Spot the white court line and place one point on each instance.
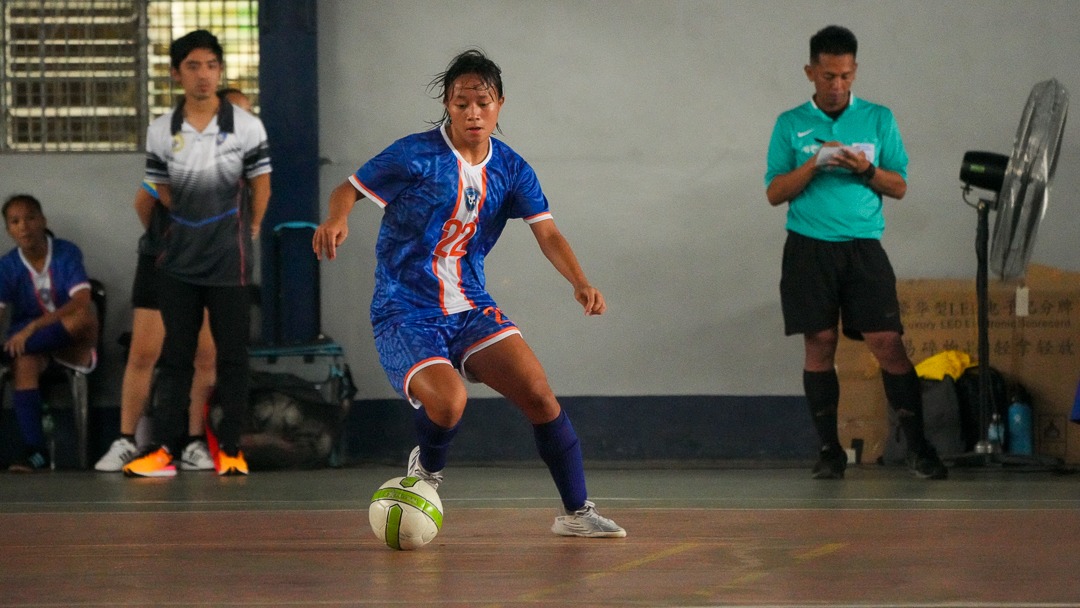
(384, 602)
(553, 497)
(872, 501)
(806, 500)
(903, 605)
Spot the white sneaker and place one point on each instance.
(586, 522)
(196, 457)
(121, 452)
(417, 470)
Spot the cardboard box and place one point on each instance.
(1039, 349)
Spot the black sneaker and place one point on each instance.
(832, 460)
(35, 460)
(925, 464)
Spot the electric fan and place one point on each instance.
(1021, 184)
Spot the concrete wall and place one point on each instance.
(647, 123)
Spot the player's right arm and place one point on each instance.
(333, 231)
(785, 179)
(786, 186)
(144, 206)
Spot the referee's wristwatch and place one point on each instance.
(868, 174)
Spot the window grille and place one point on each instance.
(89, 75)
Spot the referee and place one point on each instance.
(832, 160)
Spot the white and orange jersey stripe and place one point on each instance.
(457, 231)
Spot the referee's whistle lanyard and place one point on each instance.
(209, 220)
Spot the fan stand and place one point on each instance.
(989, 453)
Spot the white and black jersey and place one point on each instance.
(208, 241)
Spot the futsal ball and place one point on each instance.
(406, 513)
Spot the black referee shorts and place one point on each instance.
(823, 282)
(144, 291)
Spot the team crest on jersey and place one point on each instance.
(46, 298)
(472, 198)
(221, 138)
(177, 142)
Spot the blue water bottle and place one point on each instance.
(1020, 424)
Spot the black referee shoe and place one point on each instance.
(925, 464)
(832, 460)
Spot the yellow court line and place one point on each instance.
(820, 551)
(756, 573)
(746, 578)
(533, 595)
(644, 560)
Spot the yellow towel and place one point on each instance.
(946, 363)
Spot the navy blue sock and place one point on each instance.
(27, 406)
(560, 449)
(50, 338)
(434, 441)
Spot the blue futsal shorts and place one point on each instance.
(408, 347)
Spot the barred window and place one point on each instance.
(90, 75)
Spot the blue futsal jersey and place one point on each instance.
(442, 216)
(28, 294)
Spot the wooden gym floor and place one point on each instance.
(696, 537)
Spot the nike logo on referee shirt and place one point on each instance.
(805, 133)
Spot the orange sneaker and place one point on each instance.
(158, 463)
(231, 465)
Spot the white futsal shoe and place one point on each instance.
(417, 470)
(121, 452)
(586, 522)
(196, 457)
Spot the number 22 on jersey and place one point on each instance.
(455, 237)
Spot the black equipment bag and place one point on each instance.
(967, 394)
(293, 422)
(941, 422)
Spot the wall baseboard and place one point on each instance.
(612, 429)
(636, 431)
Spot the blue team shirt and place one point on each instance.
(441, 217)
(836, 205)
(27, 294)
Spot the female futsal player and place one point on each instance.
(447, 194)
(45, 291)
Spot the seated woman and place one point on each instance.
(46, 293)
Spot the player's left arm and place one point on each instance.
(883, 181)
(562, 257)
(260, 198)
(888, 183)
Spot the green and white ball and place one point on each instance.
(406, 513)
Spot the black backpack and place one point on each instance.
(942, 422)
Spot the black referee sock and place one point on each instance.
(904, 393)
(823, 394)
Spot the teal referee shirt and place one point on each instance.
(836, 205)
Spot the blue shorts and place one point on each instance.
(408, 347)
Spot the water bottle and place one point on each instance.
(1020, 426)
(996, 433)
